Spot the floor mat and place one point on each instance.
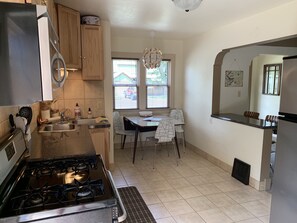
(137, 210)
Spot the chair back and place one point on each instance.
(117, 121)
(271, 118)
(165, 131)
(251, 114)
(177, 114)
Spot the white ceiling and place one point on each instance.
(139, 17)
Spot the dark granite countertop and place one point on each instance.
(258, 123)
(47, 146)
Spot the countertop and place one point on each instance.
(258, 123)
(46, 146)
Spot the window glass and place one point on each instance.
(125, 83)
(272, 76)
(157, 86)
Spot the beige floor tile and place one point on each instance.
(257, 208)
(135, 179)
(152, 176)
(237, 212)
(150, 198)
(166, 220)
(119, 181)
(221, 200)
(189, 218)
(178, 183)
(159, 211)
(196, 180)
(253, 220)
(178, 207)
(213, 178)
(186, 171)
(188, 192)
(143, 188)
(159, 185)
(200, 203)
(265, 219)
(203, 171)
(168, 195)
(227, 186)
(214, 216)
(207, 189)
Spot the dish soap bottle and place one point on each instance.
(77, 112)
(90, 113)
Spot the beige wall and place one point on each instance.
(221, 139)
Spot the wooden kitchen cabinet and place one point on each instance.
(15, 1)
(92, 52)
(100, 138)
(69, 34)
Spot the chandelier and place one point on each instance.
(152, 57)
(187, 5)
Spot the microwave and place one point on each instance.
(31, 66)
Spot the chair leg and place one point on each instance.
(123, 145)
(175, 151)
(154, 159)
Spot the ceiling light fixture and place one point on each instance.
(152, 57)
(187, 5)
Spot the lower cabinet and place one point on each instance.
(100, 138)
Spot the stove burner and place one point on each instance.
(84, 192)
(80, 167)
(35, 199)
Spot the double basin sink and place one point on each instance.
(67, 126)
(58, 127)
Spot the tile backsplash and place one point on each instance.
(88, 94)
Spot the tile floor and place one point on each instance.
(194, 191)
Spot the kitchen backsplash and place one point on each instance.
(6, 111)
(88, 94)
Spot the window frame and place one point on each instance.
(266, 84)
(141, 81)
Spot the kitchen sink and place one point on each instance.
(58, 127)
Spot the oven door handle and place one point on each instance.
(124, 215)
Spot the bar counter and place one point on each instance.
(258, 123)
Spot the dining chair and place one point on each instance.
(273, 119)
(165, 133)
(177, 114)
(118, 126)
(251, 114)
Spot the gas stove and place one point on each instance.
(55, 190)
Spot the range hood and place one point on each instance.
(25, 62)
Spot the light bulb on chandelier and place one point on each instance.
(152, 57)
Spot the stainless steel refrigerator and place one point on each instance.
(284, 187)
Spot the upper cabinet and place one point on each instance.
(16, 1)
(69, 34)
(92, 52)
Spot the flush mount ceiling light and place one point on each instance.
(187, 5)
(152, 57)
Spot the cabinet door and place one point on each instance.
(52, 11)
(100, 139)
(92, 52)
(16, 1)
(69, 34)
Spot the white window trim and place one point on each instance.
(141, 81)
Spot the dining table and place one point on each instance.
(146, 124)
